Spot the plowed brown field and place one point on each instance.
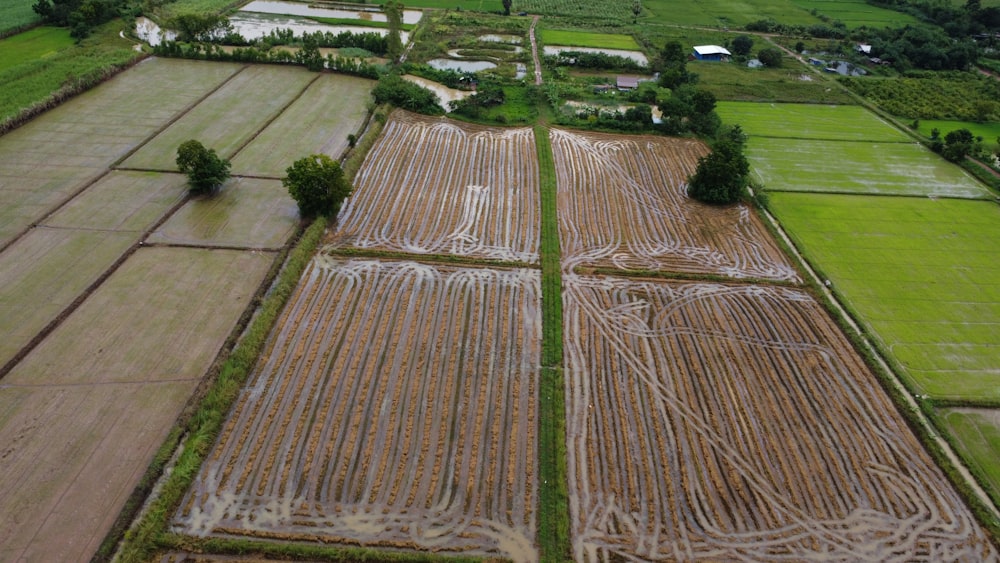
(433, 186)
(622, 204)
(396, 406)
(717, 422)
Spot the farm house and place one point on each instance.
(711, 53)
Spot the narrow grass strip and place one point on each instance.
(553, 509)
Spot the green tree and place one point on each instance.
(394, 16)
(721, 177)
(204, 169)
(770, 56)
(742, 45)
(317, 184)
(957, 144)
(506, 7)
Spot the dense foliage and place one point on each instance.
(923, 48)
(317, 184)
(770, 57)
(722, 175)
(205, 170)
(957, 20)
(689, 110)
(963, 96)
(393, 89)
(835, 30)
(596, 61)
(81, 16)
(309, 57)
(488, 94)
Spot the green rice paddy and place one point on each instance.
(977, 433)
(587, 39)
(858, 167)
(923, 274)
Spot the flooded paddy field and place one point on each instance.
(118, 289)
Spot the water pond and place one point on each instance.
(461, 66)
(636, 56)
(301, 9)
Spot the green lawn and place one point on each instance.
(810, 121)
(16, 13)
(600, 10)
(923, 274)
(586, 39)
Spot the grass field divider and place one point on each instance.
(426, 258)
(205, 414)
(553, 495)
(679, 276)
(171, 121)
(275, 116)
(917, 415)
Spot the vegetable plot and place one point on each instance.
(720, 422)
(395, 406)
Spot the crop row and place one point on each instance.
(396, 405)
(431, 186)
(622, 203)
(735, 423)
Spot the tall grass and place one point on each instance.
(553, 511)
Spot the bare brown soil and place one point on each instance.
(433, 186)
(622, 204)
(395, 406)
(736, 423)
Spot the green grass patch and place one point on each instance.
(71, 69)
(553, 510)
(857, 13)
(587, 39)
(922, 274)
(790, 83)
(171, 9)
(33, 45)
(805, 165)
(989, 131)
(809, 121)
(728, 13)
(975, 434)
(518, 108)
(15, 14)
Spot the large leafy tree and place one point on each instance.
(317, 184)
(205, 170)
(722, 175)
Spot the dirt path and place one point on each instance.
(534, 52)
